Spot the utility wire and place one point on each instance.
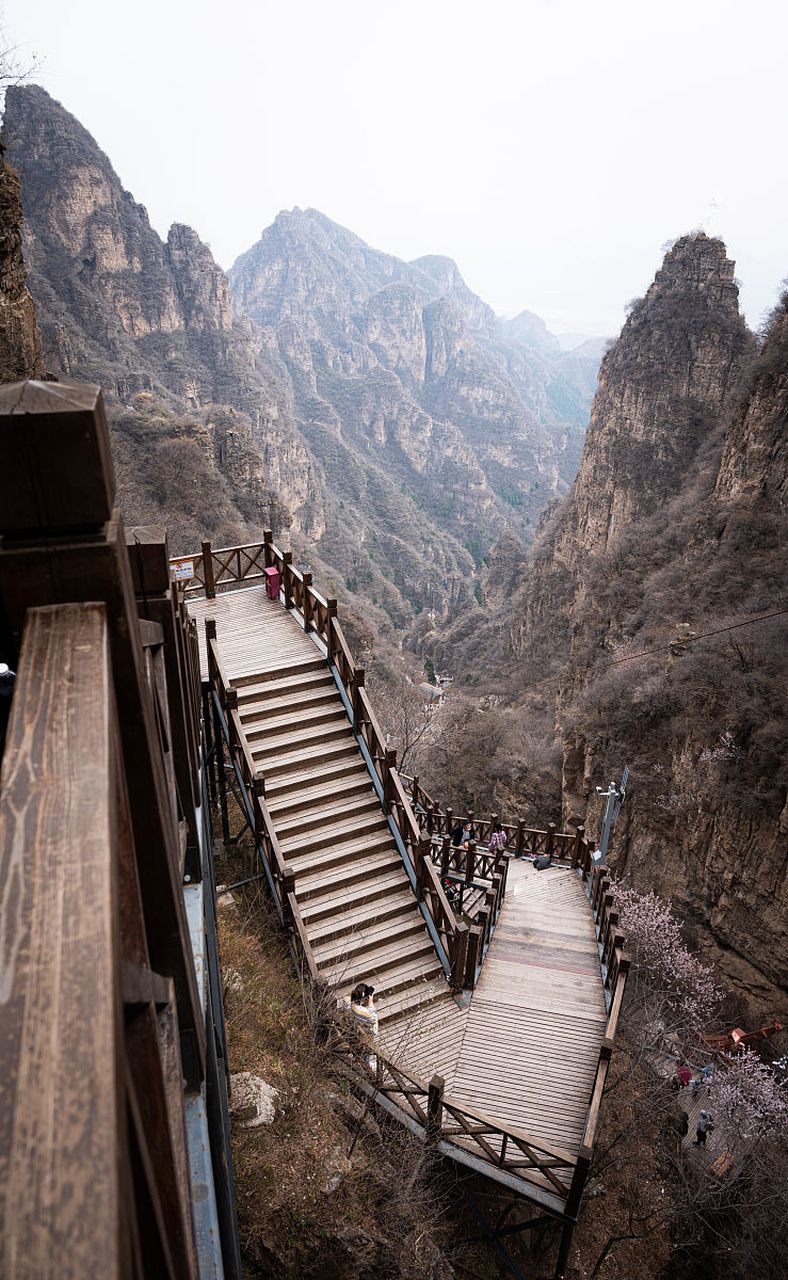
(680, 640)
(703, 635)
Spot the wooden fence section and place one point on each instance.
(565, 846)
(319, 617)
(538, 1170)
(104, 1035)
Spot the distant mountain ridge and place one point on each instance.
(367, 408)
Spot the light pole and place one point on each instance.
(615, 798)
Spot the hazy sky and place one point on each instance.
(550, 146)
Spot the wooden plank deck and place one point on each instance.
(525, 1051)
(255, 634)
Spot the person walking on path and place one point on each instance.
(703, 1129)
(362, 1006)
(498, 839)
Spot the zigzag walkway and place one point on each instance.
(525, 1051)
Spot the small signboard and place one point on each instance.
(183, 571)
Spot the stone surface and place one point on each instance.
(252, 1101)
(20, 341)
(677, 516)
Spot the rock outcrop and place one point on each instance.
(20, 341)
(642, 610)
(152, 321)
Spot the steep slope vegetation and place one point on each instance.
(676, 527)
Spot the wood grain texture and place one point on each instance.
(59, 1195)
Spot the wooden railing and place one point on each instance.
(523, 841)
(319, 618)
(556, 1175)
(537, 1168)
(108, 1029)
(478, 879)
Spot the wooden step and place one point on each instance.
(340, 853)
(367, 937)
(299, 719)
(296, 761)
(351, 833)
(281, 672)
(350, 917)
(329, 907)
(411, 1000)
(387, 969)
(327, 813)
(309, 885)
(304, 736)
(318, 697)
(314, 774)
(317, 680)
(309, 802)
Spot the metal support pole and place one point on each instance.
(219, 740)
(564, 1246)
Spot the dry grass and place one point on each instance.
(326, 1190)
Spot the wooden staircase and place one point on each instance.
(359, 909)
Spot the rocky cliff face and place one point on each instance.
(673, 536)
(20, 341)
(152, 322)
(402, 390)
(367, 408)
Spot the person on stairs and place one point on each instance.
(362, 1007)
(462, 834)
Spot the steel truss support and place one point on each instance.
(494, 1232)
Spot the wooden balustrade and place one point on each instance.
(523, 841)
(454, 1127)
(234, 565)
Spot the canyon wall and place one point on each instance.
(627, 615)
(20, 341)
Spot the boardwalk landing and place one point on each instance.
(526, 1050)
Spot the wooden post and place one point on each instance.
(207, 569)
(497, 892)
(548, 848)
(435, 1109)
(582, 1166)
(287, 577)
(519, 839)
(577, 847)
(331, 613)
(449, 820)
(307, 600)
(268, 551)
(358, 710)
(484, 924)
(423, 847)
(219, 740)
(470, 858)
(472, 961)
(287, 887)
(445, 856)
(564, 1245)
(459, 956)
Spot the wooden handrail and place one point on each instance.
(455, 1123)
